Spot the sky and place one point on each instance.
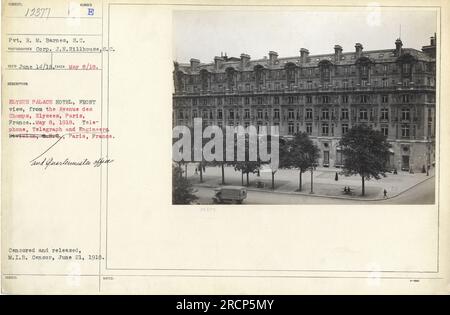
(203, 34)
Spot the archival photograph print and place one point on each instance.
(305, 106)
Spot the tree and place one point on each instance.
(300, 153)
(246, 166)
(222, 162)
(365, 152)
(182, 191)
(282, 147)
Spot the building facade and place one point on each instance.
(392, 90)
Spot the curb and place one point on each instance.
(323, 196)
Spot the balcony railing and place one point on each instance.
(303, 90)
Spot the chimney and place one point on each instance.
(358, 50)
(337, 52)
(272, 57)
(304, 53)
(194, 64)
(433, 40)
(398, 47)
(431, 49)
(244, 60)
(217, 62)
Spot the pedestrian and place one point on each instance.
(385, 193)
(204, 168)
(196, 172)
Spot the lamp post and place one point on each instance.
(428, 155)
(312, 169)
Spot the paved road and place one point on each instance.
(420, 194)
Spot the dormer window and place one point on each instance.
(230, 78)
(325, 71)
(259, 76)
(290, 73)
(364, 71)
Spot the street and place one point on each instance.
(423, 193)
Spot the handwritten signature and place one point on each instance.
(47, 162)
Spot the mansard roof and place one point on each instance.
(349, 58)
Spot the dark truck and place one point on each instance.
(230, 194)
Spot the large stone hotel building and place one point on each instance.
(392, 90)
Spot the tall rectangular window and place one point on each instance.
(325, 113)
(363, 114)
(384, 99)
(260, 114)
(406, 68)
(309, 128)
(344, 129)
(276, 113)
(325, 129)
(385, 130)
(405, 113)
(291, 128)
(308, 113)
(344, 113)
(291, 114)
(246, 113)
(405, 131)
(384, 114)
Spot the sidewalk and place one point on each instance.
(324, 184)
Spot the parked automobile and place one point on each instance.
(230, 194)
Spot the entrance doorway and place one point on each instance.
(405, 162)
(326, 158)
